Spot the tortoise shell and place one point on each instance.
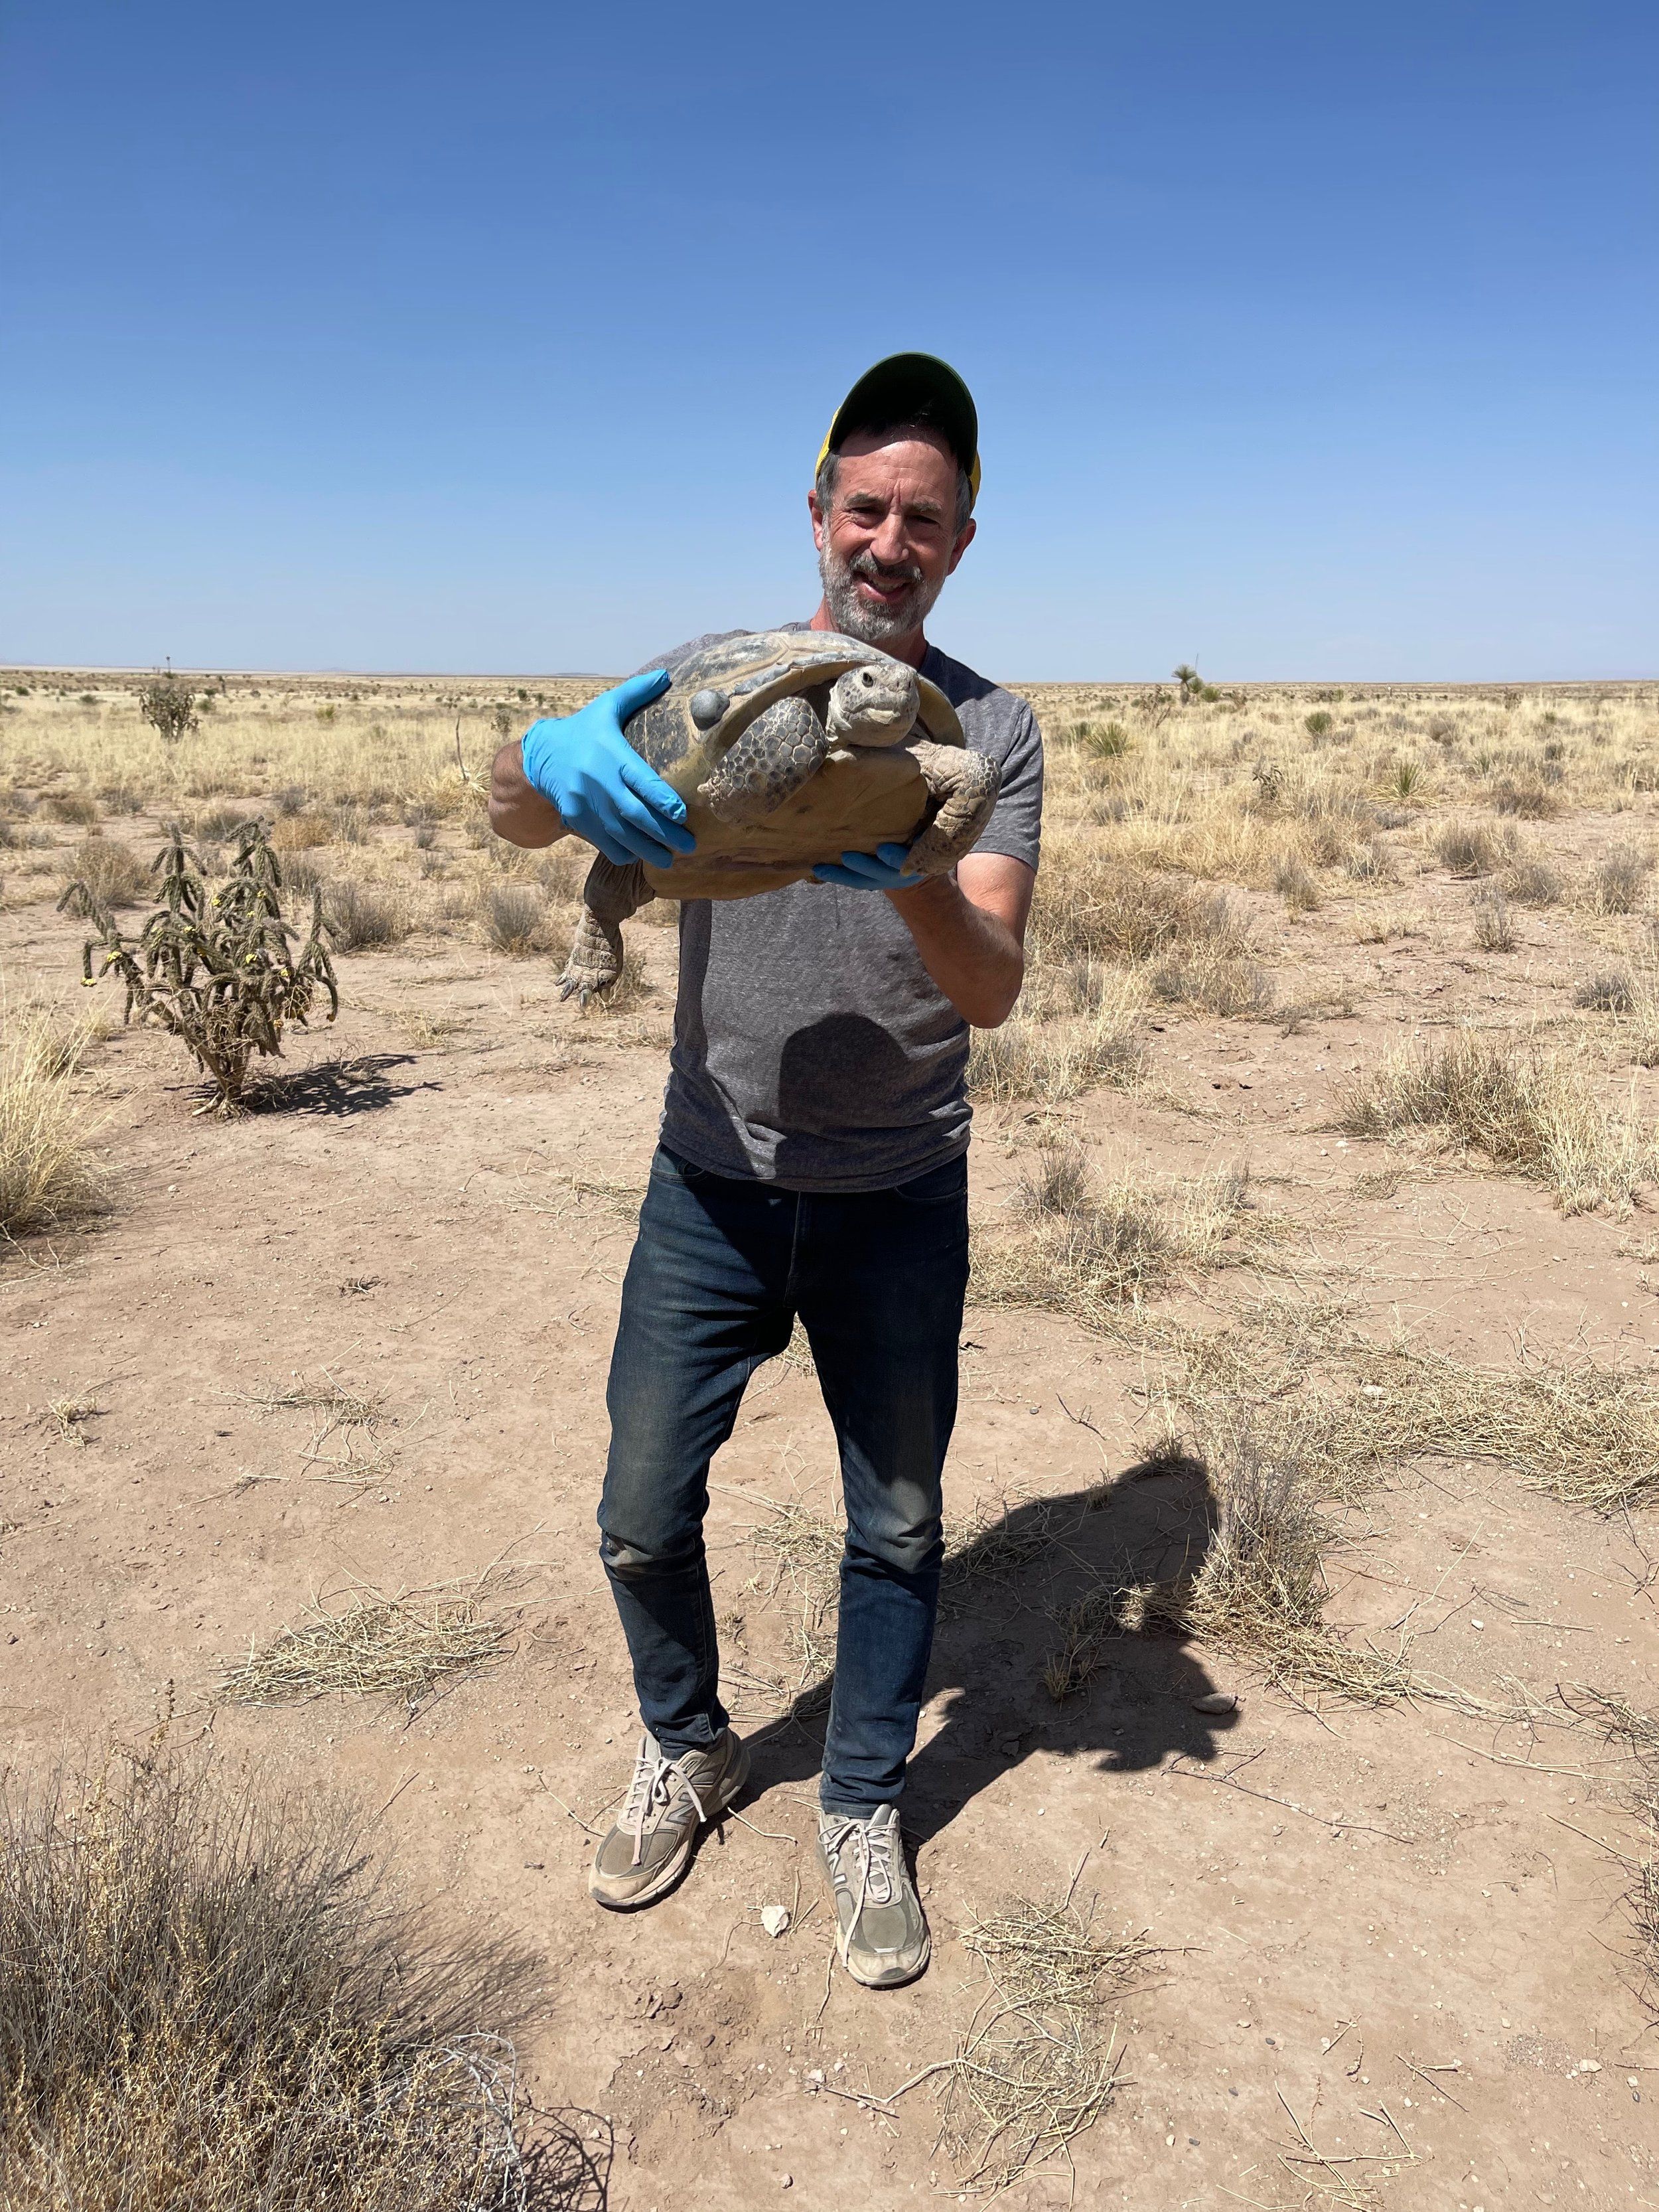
(861, 796)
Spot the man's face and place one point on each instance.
(889, 539)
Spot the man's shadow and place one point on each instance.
(1003, 1618)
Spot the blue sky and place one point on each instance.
(1308, 340)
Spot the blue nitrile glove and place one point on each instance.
(604, 791)
(883, 870)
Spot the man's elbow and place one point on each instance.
(992, 1006)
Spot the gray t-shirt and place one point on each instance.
(811, 1047)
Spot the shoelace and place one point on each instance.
(651, 1793)
(872, 1848)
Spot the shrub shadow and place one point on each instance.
(1151, 1523)
(337, 1087)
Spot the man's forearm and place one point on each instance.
(517, 810)
(976, 957)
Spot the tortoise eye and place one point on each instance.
(708, 707)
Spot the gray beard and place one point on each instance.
(857, 617)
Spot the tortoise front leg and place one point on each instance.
(965, 784)
(779, 751)
(610, 895)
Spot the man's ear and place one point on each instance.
(820, 519)
(961, 545)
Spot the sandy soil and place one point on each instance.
(1395, 1935)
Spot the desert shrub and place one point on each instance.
(1296, 886)
(111, 871)
(292, 799)
(1467, 848)
(351, 825)
(515, 918)
(299, 833)
(1319, 724)
(220, 824)
(1371, 863)
(168, 706)
(48, 1175)
(1215, 980)
(302, 873)
(1617, 880)
(1612, 993)
(1493, 930)
(1528, 796)
(362, 917)
(76, 806)
(1102, 740)
(1527, 1110)
(211, 1998)
(121, 799)
(219, 972)
(1258, 1589)
(1531, 881)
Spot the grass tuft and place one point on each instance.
(211, 1999)
(1527, 1110)
(48, 1177)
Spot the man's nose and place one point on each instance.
(890, 543)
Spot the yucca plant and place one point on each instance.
(216, 969)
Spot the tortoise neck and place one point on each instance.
(911, 649)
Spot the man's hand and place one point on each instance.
(883, 870)
(585, 769)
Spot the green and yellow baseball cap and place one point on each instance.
(911, 387)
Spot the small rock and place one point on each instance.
(1216, 1701)
(1589, 2066)
(786, 2181)
(774, 1918)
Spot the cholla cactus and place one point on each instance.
(216, 969)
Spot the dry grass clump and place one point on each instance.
(364, 917)
(1077, 1027)
(1618, 880)
(1258, 1590)
(211, 1999)
(1585, 1431)
(1613, 992)
(374, 1645)
(1494, 932)
(1092, 1246)
(48, 1175)
(1525, 1110)
(1531, 881)
(112, 871)
(1468, 849)
(1091, 905)
(79, 807)
(1215, 981)
(514, 919)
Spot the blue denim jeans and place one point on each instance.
(719, 1272)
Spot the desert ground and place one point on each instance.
(1286, 1808)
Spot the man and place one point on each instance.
(813, 1163)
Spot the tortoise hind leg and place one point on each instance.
(768, 764)
(610, 895)
(965, 784)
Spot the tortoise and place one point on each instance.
(789, 747)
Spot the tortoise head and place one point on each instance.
(874, 704)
